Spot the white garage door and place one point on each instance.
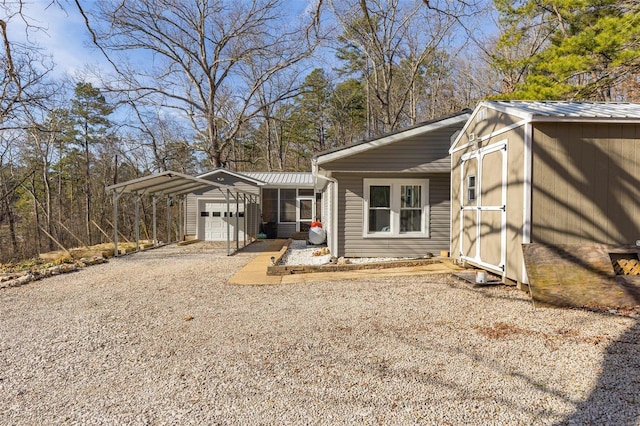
(214, 218)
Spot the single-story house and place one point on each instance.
(543, 172)
(389, 196)
(285, 203)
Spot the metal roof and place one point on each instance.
(166, 183)
(568, 110)
(296, 179)
(244, 176)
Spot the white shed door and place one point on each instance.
(214, 219)
(483, 198)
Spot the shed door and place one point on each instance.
(214, 219)
(483, 212)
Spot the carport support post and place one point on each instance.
(115, 223)
(180, 219)
(228, 229)
(237, 221)
(137, 219)
(244, 218)
(155, 235)
(168, 219)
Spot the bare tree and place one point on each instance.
(207, 60)
(395, 40)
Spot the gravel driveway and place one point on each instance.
(159, 338)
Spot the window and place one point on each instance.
(471, 189)
(269, 205)
(379, 208)
(410, 208)
(396, 208)
(288, 205)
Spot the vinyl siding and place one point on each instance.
(491, 226)
(427, 153)
(351, 213)
(191, 205)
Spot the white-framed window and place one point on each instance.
(471, 188)
(396, 208)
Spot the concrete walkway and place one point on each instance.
(255, 272)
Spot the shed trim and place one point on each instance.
(602, 115)
(488, 136)
(527, 191)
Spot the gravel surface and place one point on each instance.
(159, 338)
(299, 253)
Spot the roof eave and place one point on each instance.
(388, 139)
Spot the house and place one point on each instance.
(389, 196)
(284, 203)
(543, 172)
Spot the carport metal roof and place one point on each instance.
(168, 183)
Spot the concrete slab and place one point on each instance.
(255, 272)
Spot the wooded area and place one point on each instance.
(193, 85)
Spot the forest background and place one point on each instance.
(264, 85)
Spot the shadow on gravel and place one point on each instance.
(615, 400)
(616, 397)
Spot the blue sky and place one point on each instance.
(62, 34)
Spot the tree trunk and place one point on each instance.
(87, 190)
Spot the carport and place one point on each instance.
(174, 186)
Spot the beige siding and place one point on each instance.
(586, 185)
(490, 229)
(191, 205)
(285, 230)
(515, 202)
(424, 153)
(351, 213)
(494, 121)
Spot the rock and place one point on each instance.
(94, 260)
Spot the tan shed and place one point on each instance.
(543, 172)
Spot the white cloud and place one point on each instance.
(59, 32)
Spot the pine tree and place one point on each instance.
(89, 111)
(590, 49)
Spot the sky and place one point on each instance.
(61, 32)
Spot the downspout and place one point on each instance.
(333, 246)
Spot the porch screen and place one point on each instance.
(269, 205)
(287, 205)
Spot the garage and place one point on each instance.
(216, 220)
